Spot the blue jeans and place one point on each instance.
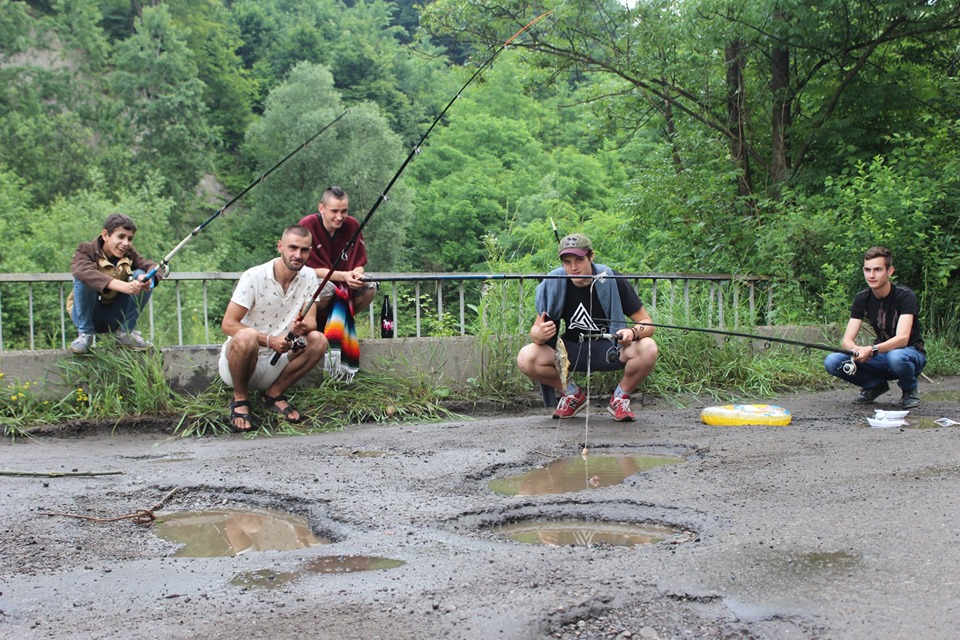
(90, 315)
(902, 365)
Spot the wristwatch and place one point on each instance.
(874, 352)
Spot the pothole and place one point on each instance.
(267, 579)
(589, 533)
(362, 453)
(579, 473)
(173, 457)
(928, 422)
(589, 523)
(941, 396)
(231, 532)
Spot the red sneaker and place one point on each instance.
(570, 405)
(620, 409)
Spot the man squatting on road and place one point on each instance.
(897, 352)
(588, 305)
(108, 286)
(262, 311)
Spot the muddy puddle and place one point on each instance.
(579, 473)
(231, 532)
(362, 453)
(940, 396)
(930, 422)
(586, 533)
(267, 578)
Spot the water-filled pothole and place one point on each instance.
(362, 453)
(941, 396)
(230, 532)
(579, 473)
(929, 422)
(265, 578)
(173, 457)
(587, 533)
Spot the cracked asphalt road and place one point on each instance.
(822, 529)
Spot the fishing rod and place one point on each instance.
(487, 276)
(291, 337)
(797, 343)
(849, 367)
(556, 234)
(163, 267)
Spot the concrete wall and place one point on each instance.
(453, 360)
(193, 368)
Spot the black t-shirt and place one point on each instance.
(883, 314)
(577, 307)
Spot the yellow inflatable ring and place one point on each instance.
(735, 415)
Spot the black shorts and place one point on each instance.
(600, 353)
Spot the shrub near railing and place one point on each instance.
(186, 308)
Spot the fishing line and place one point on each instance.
(164, 267)
(383, 197)
(586, 423)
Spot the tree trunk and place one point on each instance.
(780, 119)
(672, 133)
(734, 60)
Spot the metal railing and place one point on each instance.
(421, 304)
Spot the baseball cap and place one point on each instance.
(577, 244)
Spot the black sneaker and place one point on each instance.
(869, 395)
(910, 399)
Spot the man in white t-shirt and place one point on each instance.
(263, 310)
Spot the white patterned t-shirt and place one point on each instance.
(269, 309)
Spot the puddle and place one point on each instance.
(362, 453)
(925, 422)
(172, 459)
(940, 396)
(230, 532)
(586, 533)
(266, 579)
(818, 561)
(578, 474)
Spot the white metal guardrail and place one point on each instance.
(183, 308)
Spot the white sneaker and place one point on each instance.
(133, 340)
(82, 344)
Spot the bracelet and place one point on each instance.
(268, 340)
(636, 334)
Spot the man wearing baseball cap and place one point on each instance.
(588, 304)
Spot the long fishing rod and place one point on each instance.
(849, 367)
(163, 266)
(507, 276)
(291, 337)
(724, 332)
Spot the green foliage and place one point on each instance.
(165, 116)
(294, 112)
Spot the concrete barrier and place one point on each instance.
(451, 360)
(193, 368)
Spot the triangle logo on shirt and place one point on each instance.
(582, 320)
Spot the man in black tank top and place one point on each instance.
(897, 351)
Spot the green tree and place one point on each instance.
(229, 91)
(359, 153)
(164, 113)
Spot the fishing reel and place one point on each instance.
(613, 354)
(298, 343)
(849, 367)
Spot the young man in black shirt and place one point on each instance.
(897, 351)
